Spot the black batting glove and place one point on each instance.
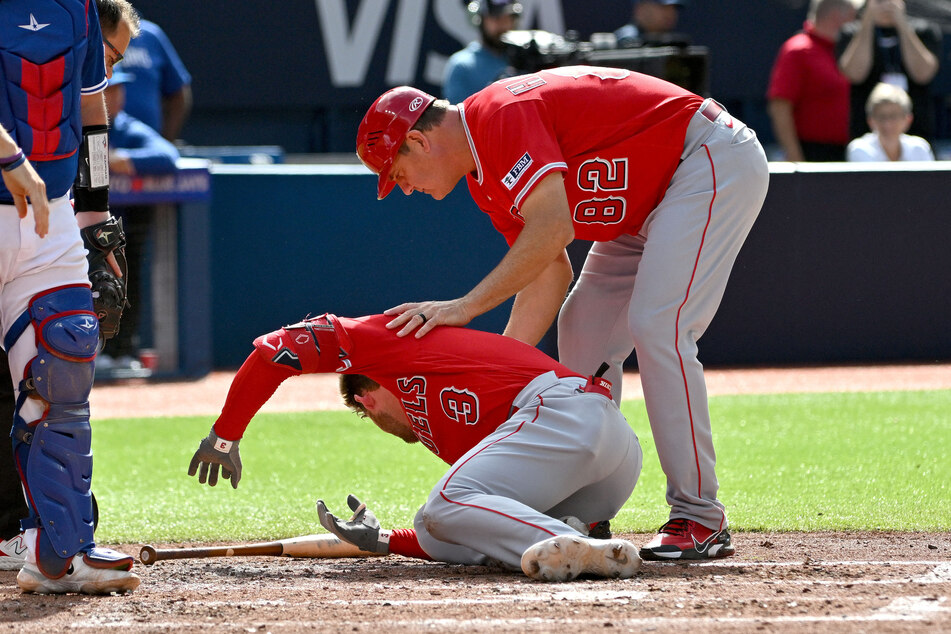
(214, 452)
(362, 529)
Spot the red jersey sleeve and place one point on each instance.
(510, 170)
(251, 388)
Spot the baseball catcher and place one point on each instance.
(539, 455)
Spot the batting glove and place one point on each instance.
(214, 452)
(362, 530)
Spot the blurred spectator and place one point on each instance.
(481, 62)
(808, 96)
(888, 112)
(159, 93)
(652, 24)
(886, 45)
(134, 148)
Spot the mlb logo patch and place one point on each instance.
(517, 170)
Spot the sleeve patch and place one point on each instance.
(514, 174)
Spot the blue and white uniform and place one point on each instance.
(50, 56)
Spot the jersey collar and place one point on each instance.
(475, 153)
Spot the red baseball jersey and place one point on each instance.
(617, 136)
(456, 385)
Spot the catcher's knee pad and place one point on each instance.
(67, 337)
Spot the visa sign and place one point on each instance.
(351, 42)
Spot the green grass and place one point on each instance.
(878, 461)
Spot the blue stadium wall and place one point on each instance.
(300, 73)
(843, 264)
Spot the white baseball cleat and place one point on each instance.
(564, 557)
(12, 552)
(86, 575)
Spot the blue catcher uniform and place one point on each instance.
(50, 56)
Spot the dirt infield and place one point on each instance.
(853, 582)
(817, 582)
(319, 391)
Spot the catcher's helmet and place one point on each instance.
(384, 129)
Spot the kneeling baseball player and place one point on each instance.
(539, 455)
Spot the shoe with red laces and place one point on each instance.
(681, 539)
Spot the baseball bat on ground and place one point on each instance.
(325, 546)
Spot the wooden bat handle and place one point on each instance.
(319, 546)
(149, 554)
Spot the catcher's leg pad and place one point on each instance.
(56, 469)
(54, 453)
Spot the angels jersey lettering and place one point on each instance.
(456, 385)
(616, 136)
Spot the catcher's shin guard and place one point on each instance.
(54, 454)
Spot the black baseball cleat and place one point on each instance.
(682, 539)
(601, 530)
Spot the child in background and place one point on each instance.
(888, 111)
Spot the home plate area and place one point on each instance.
(815, 582)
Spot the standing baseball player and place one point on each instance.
(529, 441)
(667, 185)
(52, 133)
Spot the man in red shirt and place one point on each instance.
(808, 95)
(667, 185)
(530, 442)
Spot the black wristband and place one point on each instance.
(86, 199)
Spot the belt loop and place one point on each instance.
(710, 109)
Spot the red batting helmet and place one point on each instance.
(384, 129)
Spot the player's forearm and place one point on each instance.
(533, 251)
(93, 113)
(8, 146)
(547, 231)
(537, 305)
(252, 387)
